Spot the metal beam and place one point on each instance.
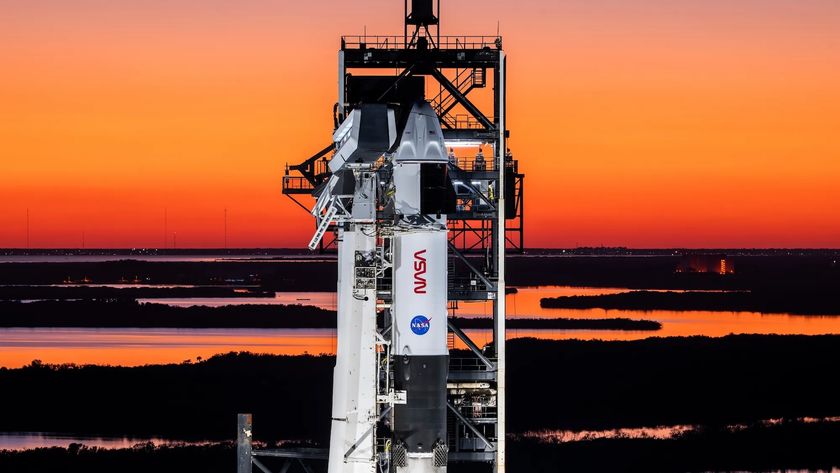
(297, 202)
(366, 434)
(470, 425)
(307, 168)
(243, 443)
(260, 465)
(405, 73)
(305, 467)
(306, 453)
(472, 346)
(483, 278)
(501, 396)
(371, 58)
(474, 111)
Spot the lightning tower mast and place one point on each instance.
(421, 197)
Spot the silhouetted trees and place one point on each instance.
(568, 384)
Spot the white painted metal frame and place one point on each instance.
(500, 285)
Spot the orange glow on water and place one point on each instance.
(132, 347)
(135, 347)
(643, 124)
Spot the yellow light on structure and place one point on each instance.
(463, 144)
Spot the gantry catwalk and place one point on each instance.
(446, 72)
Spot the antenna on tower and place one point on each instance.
(226, 228)
(27, 228)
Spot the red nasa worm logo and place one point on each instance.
(419, 271)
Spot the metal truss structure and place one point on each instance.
(396, 69)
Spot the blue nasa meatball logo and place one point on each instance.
(420, 324)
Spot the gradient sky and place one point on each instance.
(645, 123)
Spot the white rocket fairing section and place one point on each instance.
(416, 359)
(354, 375)
(350, 198)
(421, 355)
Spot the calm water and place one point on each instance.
(660, 432)
(29, 440)
(526, 304)
(131, 347)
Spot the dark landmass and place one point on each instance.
(798, 302)
(773, 271)
(129, 313)
(110, 313)
(17, 293)
(586, 385)
(670, 381)
(797, 273)
(558, 323)
(317, 275)
(290, 395)
(139, 459)
(757, 448)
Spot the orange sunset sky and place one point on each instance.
(644, 123)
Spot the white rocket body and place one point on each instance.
(354, 375)
(419, 307)
(419, 351)
(421, 355)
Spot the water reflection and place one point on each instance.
(135, 347)
(30, 440)
(131, 347)
(661, 432)
(526, 304)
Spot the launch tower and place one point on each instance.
(421, 196)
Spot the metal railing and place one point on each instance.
(298, 183)
(463, 121)
(488, 163)
(468, 364)
(479, 411)
(400, 42)
(465, 80)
